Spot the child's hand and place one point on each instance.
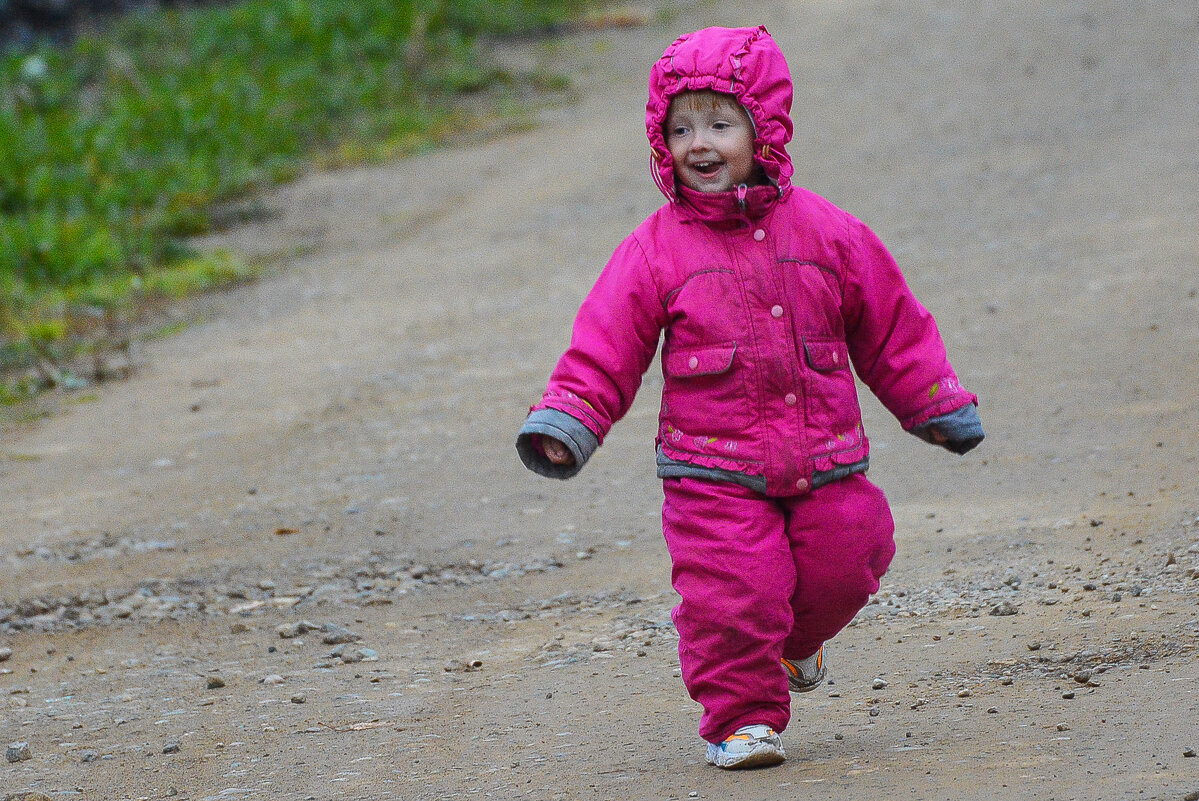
(556, 452)
(958, 431)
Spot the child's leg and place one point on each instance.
(842, 540)
(732, 566)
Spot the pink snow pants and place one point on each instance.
(763, 578)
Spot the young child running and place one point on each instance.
(767, 294)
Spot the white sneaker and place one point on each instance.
(755, 746)
(805, 675)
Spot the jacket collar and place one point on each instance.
(726, 210)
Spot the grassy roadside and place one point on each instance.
(116, 149)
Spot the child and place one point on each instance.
(766, 293)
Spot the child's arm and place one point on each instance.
(614, 340)
(898, 352)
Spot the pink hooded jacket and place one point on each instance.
(766, 294)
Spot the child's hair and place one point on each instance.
(703, 100)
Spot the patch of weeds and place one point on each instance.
(168, 330)
(19, 457)
(17, 391)
(201, 272)
(544, 80)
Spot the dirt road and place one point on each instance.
(331, 450)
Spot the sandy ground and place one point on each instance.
(333, 446)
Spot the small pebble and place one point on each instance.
(838, 736)
(1063, 727)
(1068, 694)
(18, 752)
(337, 635)
(215, 682)
(172, 747)
(88, 756)
(354, 655)
(1190, 752)
(992, 710)
(1191, 796)
(879, 684)
(5, 654)
(1004, 609)
(274, 678)
(1034, 646)
(1006, 681)
(290, 631)
(299, 698)
(1082, 676)
(964, 693)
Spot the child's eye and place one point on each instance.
(721, 126)
(678, 131)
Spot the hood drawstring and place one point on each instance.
(742, 191)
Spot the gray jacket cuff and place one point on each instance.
(961, 429)
(572, 433)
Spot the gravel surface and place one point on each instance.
(295, 555)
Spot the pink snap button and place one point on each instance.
(802, 484)
(759, 234)
(777, 311)
(790, 399)
(693, 362)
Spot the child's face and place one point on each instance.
(711, 140)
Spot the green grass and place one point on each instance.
(116, 149)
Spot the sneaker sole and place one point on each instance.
(796, 687)
(762, 757)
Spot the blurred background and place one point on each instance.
(127, 127)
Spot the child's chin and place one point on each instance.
(709, 187)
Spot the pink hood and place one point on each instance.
(743, 62)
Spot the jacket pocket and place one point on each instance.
(704, 399)
(832, 395)
(697, 361)
(826, 356)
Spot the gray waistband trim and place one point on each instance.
(820, 478)
(672, 468)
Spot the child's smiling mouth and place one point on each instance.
(707, 168)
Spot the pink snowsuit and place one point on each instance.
(766, 294)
